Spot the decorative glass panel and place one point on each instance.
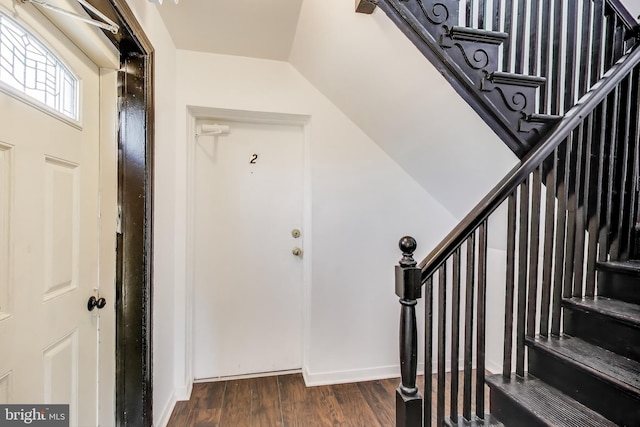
(29, 67)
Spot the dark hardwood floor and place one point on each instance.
(284, 401)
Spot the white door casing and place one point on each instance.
(248, 285)
(107, 250)
(51, 175)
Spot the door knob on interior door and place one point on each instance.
(96, 302)
(297, 251)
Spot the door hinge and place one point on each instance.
(119, 220)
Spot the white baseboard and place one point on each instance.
(163, 419)
(246, 376)
(184, 393)
(493, 367)
(312, 379)
(179, 394)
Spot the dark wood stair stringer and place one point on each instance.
(466, 57)
(460, 52)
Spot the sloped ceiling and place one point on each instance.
(254, 28)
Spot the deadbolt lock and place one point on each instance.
(295, 233)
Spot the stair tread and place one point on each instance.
(547, 403)
(619, 310)
(517, 79)
(631, 267)
(475, 34)
(543, 118)
(613, 368)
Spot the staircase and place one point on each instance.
(559, 82)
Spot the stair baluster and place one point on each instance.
(481, 321)
(468, 328)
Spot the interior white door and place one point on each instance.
(248, 282)
(49, 232)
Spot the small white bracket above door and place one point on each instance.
(106, 23)
(214, 129)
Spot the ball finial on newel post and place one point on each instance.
(408, 246)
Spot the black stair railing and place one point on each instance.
(521, 64)
(572, 201)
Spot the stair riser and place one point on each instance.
(511, 413)
(623, 287)
(580, 384)
(603, 331)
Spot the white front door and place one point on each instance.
(248, 282)
(49, 233)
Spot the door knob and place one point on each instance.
(96, 302)
(297, 252)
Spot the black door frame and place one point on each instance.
(134, 257)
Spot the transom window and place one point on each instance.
(29, 67)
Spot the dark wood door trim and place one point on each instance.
(134, 250)
(134, 265)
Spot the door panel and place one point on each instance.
(248, 284)
(60, 364)
(60, 227)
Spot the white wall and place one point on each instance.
(165, 368)
(362, 203)
(376, 76)
(633, 6)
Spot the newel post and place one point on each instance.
(409, 290)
